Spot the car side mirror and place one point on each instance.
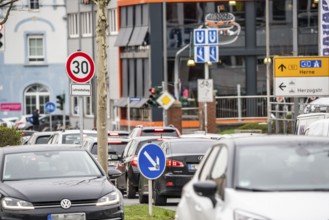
(207, 189)
(114, 173)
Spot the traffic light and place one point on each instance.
(155, 92)
(2, 37)
(60, 101)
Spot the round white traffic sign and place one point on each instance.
(80, 67)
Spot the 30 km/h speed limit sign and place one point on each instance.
(80, 67)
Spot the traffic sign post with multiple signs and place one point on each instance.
(80, 68)
(301, 76)
(151, 163)
(206, 45)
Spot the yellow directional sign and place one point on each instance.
(166, 100)
(301, 66)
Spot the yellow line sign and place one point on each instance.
(301, 66)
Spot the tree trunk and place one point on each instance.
(102, 79)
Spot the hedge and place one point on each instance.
(9, 136)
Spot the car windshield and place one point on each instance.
(282, 168)
(48, 164)
(75, 138)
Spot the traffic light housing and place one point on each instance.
(60, 101)
(155, 93)
(2, 38)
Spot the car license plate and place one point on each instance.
(68, 216)
(192, 166)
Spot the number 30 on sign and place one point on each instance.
(80, 67)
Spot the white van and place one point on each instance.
(304, 120)
(318, 128)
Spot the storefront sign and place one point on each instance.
(13, 106)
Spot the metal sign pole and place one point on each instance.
(50, 122)
(206, 76)
(150, 196)
(128, 113)
(81, 118)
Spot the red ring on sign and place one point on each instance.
(68, 67)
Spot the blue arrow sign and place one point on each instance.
(213, 54)
(50, 107)
(200, 36)
(151, 161)
(199, 54)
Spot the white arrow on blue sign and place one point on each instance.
(213, 54)
(200, 54)
(50, 107)
(151, 161)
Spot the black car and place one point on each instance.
(55, 182)
(129, 179)
(182, 159)
(46, 123)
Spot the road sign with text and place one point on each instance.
(301, 76)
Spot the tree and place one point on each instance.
(6, 6)
(102, 79)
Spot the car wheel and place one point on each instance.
(131, 191)
(141, 197)
(159, 200)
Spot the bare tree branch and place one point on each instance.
(4, 3)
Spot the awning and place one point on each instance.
(122, 102)
(138, 104)
(138, 36)
(123, 37)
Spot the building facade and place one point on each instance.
(32, 58)
(141, 38)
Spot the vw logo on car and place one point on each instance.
(66, 204)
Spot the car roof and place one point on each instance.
(186, 140)
(39, 147)
(280, 140)
(75, 131)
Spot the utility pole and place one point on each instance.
(102, 78)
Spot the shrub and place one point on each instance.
(9, 136)
(254, 126)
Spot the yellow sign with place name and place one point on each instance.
(301, 66)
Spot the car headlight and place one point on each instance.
(16, 204)
(243, 215)
(110, 199)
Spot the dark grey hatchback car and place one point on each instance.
(55, 183)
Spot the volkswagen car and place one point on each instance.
(55, 183)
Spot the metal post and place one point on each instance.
(81, 118)
(176, 69)
(128, 113)
(50, 123)
(150, 196)
(165, 71)
(206, 77)
(269, 127)
(239, 102)
(295, 48)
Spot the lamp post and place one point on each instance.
(165, 71)
(269, 127)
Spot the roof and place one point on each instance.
(39, 147)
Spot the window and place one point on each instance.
(113, 22)
(88, 106)
(34, 4)
(36, 49)
(73, 25)
(36, 96)
(86, 20)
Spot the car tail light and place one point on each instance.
(174, 163)
(134, 162)
(158, 129)
(113, 134)
(169, 183)
(114, 142)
